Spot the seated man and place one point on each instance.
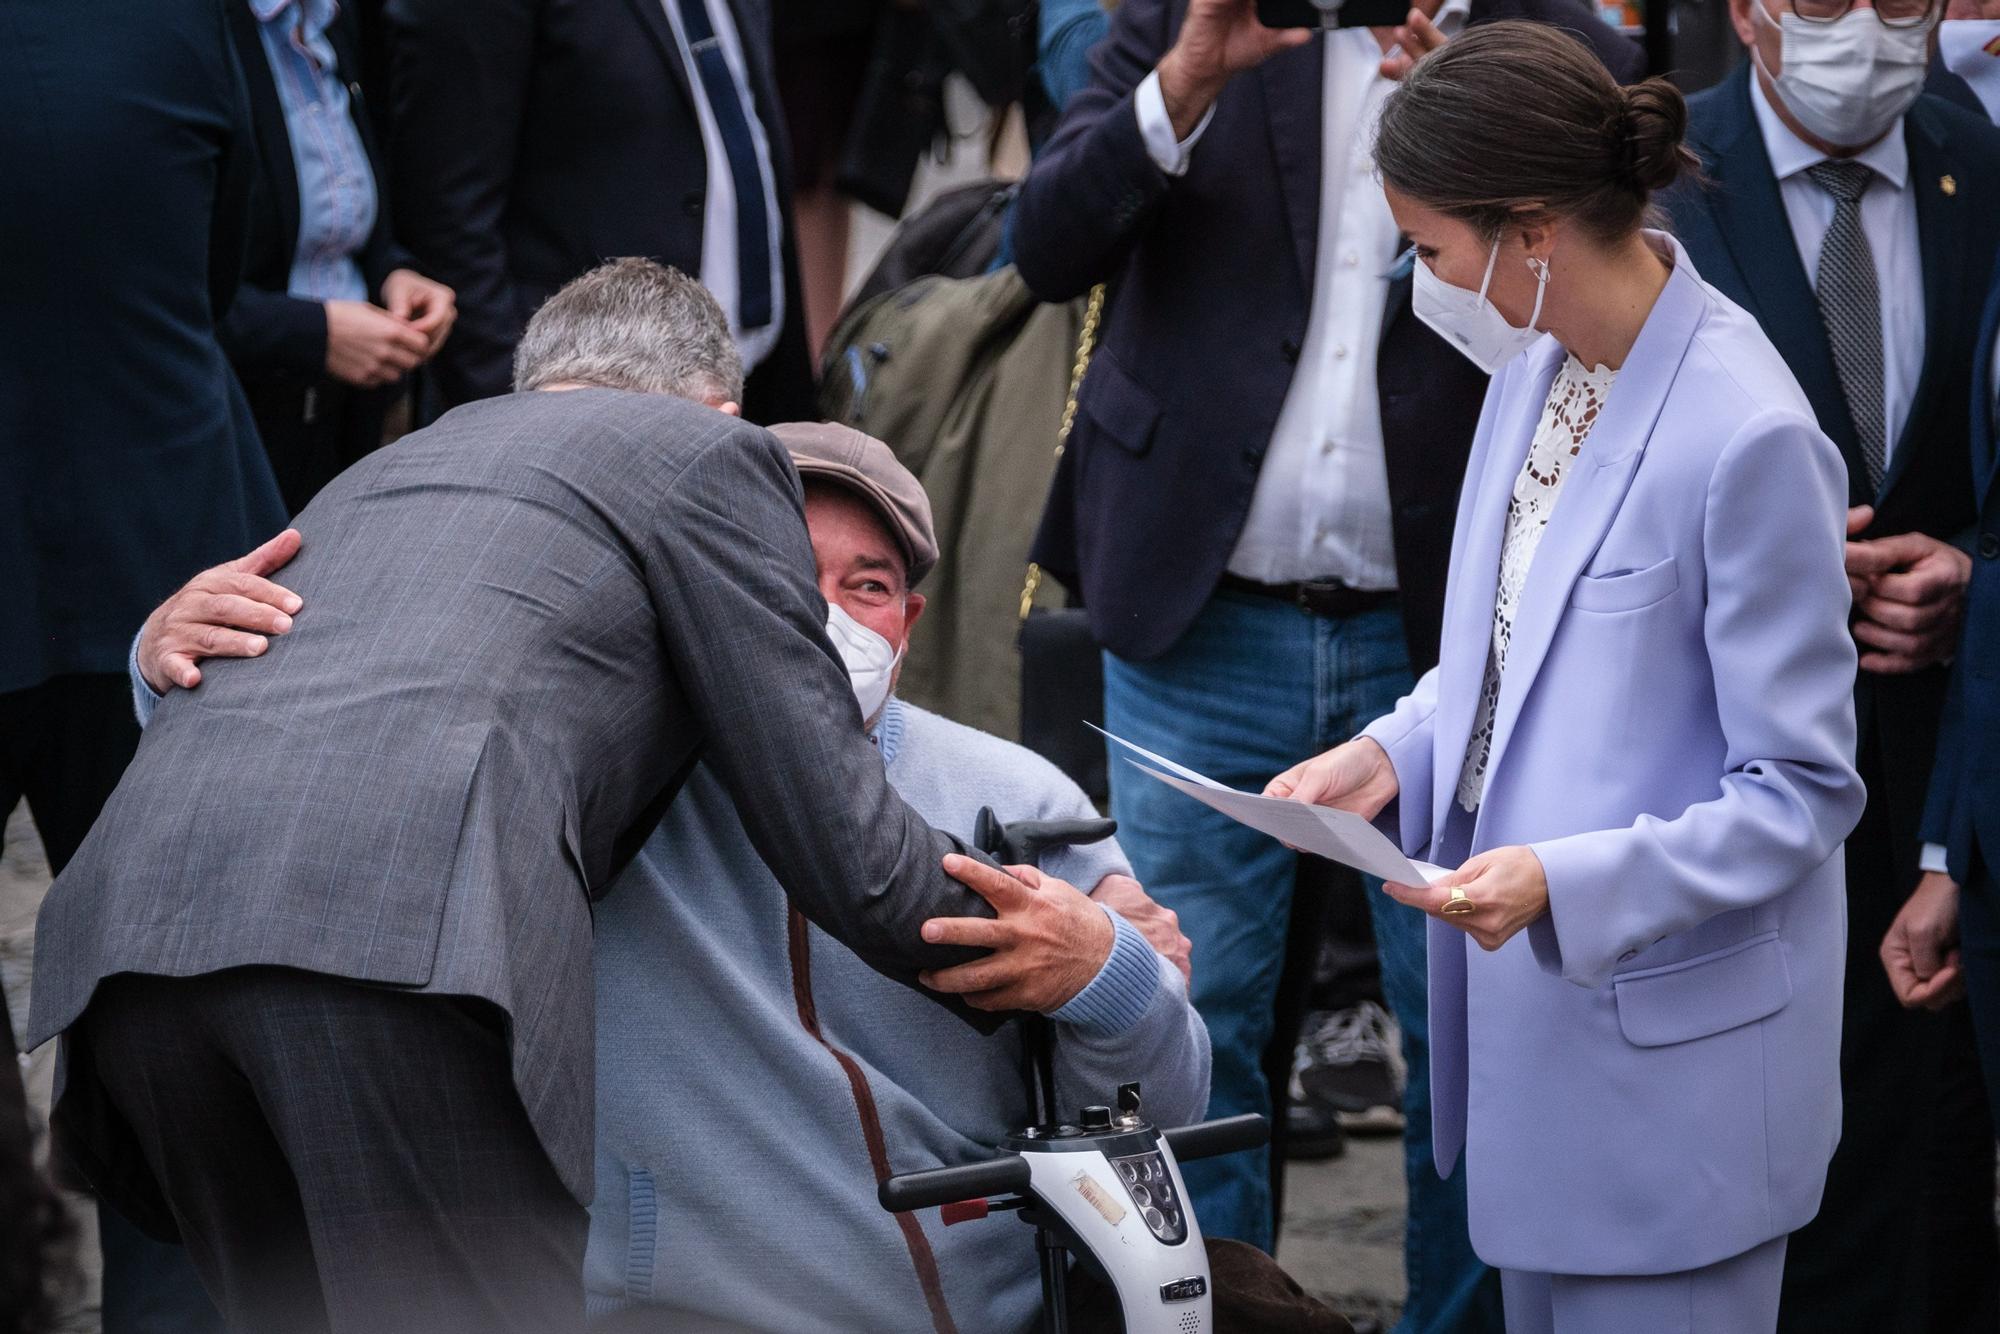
(755, 1079)
(725, 1019)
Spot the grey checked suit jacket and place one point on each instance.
(521, 627)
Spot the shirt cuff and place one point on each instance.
(1117, 998)
(1156, 127)
(1933, 859)
(143, 698)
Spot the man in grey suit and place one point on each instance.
(324, 963)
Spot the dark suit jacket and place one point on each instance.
(1943, 83)
(1964, 810)
(1210, 282)
(527, 623)
(268, 333)
(128, 460)
(535, 139)
(1735, 229)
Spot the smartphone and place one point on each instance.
(1332, 13)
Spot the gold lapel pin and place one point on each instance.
(1949, 185)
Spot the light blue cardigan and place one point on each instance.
(734, 1179)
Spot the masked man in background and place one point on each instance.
(1856, 218)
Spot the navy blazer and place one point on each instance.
(1736, 230)
(535, 139)
(269, 332)
(1943, 83)
(128, 459)
(1210, 287)
(1964, 810)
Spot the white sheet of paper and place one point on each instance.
(1340, 836)
(1161, 761)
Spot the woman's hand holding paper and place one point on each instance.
(1505, 888)
(1355, 776)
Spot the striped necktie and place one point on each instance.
(1850, 301)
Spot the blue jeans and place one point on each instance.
(1252, 688)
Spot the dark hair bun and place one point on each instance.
(1655, 121)
(1512, 119)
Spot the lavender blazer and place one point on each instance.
(1647, 1079)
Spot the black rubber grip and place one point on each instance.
(948, 1185)
(1211, 1139)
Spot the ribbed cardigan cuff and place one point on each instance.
(1117, 998)
(144, 699)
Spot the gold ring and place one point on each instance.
(1457, 905)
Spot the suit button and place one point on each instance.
(1989, 546)
(1289, 349)
(692, 202)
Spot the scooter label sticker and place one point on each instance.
(1099, 1198)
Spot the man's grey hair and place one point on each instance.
(632, 324)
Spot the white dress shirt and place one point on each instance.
(1888, 219)
(719, 271)
(1321, 507)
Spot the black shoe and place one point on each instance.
(1347, 1062)
(1312, 1129)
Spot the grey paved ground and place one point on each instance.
(1343, 1235)
(1344, 1219)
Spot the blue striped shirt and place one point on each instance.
(336, 183)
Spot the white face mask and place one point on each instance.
(871, 660)
(1847, 81)
(1471, 323)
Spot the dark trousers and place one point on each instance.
(314, 432)
(340, 1157)
(1979, 955)
(63, 746)
(1904, 1241)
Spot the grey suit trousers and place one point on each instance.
(341, 1157)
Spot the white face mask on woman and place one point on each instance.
(1847, 81)
(871, 660)
(1471, 323)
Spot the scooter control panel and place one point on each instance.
(1151, 1186)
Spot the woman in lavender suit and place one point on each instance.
(1637, 746)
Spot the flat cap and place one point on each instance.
(831, 452)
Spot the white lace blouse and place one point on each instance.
(1575, 399)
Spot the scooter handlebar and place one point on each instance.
(1211, 1139)
(948, 1185)
(1009, 1175)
